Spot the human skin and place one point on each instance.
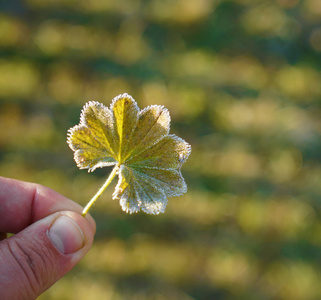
(50, 238)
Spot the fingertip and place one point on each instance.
(86, 225)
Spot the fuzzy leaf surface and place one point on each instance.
(139, 143)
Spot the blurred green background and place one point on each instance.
(242, 81)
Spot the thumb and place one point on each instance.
(36, 257)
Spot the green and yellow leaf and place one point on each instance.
(147, 159)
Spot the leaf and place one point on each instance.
(138, 144)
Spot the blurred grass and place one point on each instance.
(242, 82)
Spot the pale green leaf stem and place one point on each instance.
(101, 190)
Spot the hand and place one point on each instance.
(51, 237)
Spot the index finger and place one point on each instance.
(23, 203)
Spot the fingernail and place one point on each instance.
(66, 235)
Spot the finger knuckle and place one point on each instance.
(32, 262)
